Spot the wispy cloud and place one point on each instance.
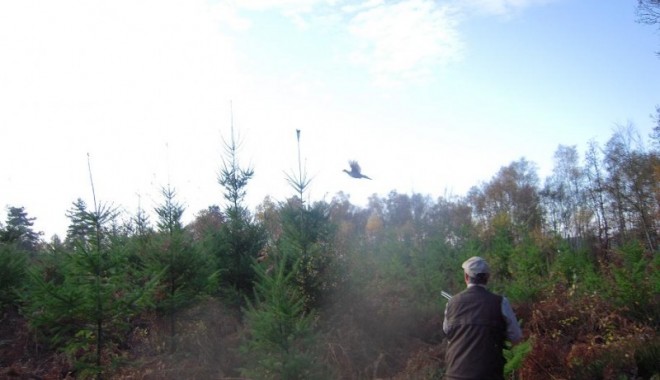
(395, 41)
(499, 7)
(404, 41)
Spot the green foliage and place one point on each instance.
(632, 281)
(236, 245)
(240, 240)
(80, 229)
(280, 337)
(13, 264)
(500, 246)
(85, 310)
(529, 265)
(18, 231)
(425, 272)
(655, 273)
(577, 270)
(306, 237)
(184, 272)
(232, 177)
(515, 356)
(646, 357)
(82, 305)
(18, 242)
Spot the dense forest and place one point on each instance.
(297, 289)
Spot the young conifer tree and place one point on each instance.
(83, 308)
(240, 238)
(18, 241)
(13, 264)
(184, 272)
(18, 231)
(281, 339)
(307, 232)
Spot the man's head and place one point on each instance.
(476, 270)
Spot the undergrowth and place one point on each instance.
(587, 337)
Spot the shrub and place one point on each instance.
(585, 337)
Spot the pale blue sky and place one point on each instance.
(429, 96)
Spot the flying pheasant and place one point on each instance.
(355, 172)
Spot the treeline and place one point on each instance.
(332, 290)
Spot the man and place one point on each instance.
(477, 323)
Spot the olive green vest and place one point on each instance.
(476, 335)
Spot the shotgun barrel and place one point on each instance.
(446, 295)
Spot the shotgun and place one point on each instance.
(446, 295)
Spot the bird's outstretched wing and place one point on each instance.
(355, 167)
(356, 171)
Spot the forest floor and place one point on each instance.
(209, 336)
(572, 339)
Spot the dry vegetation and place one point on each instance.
(574, 337)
